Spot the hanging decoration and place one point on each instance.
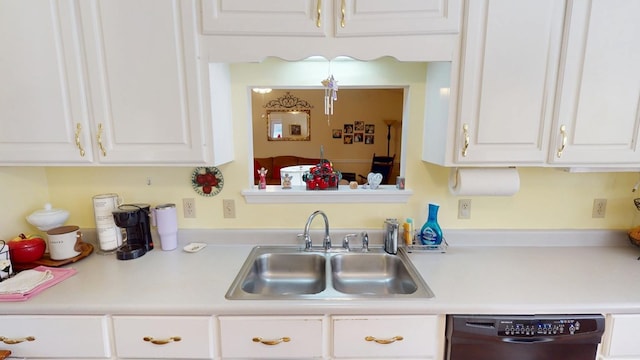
(330, 95)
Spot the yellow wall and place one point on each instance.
(548, 199)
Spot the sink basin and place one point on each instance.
(371, 274)
(285, 272)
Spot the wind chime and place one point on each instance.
(330, 95)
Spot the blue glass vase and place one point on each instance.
(431, 233)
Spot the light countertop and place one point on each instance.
(493, 278)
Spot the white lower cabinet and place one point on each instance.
(272, 337)
(66, 337)
(164, 337)
(387, 337)
(620, 340)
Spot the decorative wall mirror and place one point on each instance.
(288, 119)
(288, 125)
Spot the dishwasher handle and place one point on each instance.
(534, 340)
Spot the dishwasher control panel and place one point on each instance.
(540, 326)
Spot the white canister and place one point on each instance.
(165, 218)
(109, 234)
(65, 242)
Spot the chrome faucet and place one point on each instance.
(326, 244)
(345, 241)
(365, 241)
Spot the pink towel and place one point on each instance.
(59, 274)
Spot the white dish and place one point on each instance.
(194, 247)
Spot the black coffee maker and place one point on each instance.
(134, 219)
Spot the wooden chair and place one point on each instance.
(382, 165)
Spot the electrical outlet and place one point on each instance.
(229, 208)
(599, 208)
(464, 209)
(189, 206)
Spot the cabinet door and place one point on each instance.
(510, 53)
(43, 109)
(64, 337)
(268, 337)
(405, 17)
(145, 87)
(621, 338)
(259, 17)
(389, 337)
(598, 115)
(164, 337)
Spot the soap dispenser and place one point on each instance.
(431, 233)
(391, 236)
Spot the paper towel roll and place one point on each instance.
(484, 181)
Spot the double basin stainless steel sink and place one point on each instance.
(283, 272)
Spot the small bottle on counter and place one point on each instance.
(431, 233)
(408, 231)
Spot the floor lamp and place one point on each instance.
(389, 124)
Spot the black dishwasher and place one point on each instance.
(523, 337)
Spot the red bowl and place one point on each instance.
(26, 251)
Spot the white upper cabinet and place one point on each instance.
(505, 90)
(399, 17)
(250, 30)
(259, 17)
(106, 82)
(43, 109)
(316, 17)
(599, 89)
(144, 81)
(539, 83)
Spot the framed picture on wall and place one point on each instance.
(336, 133)
(369, 128)
(358, 126)
(295, 129)
(368, 139)
(357, 137)
(348, 139)
(348, 128)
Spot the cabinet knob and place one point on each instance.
(8, 341)
(271, 342)
(152, 340)
(342, 12)
(384, 341)
(78, 143)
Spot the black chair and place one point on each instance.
(382, 165)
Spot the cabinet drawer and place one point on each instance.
(271, 337)
(164, 337)
(56, 336)
(385, 336)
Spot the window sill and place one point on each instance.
(275, 194)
